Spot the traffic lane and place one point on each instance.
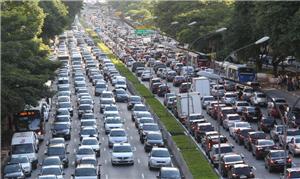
(140, 168)
(291, 99)
(259, 169)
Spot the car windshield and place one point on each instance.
(150, 128)
(261, 95)
(89, 142)
(51, 161)
(85, 107)
(251, 110)
(280, 101)
(100, 85)
(113, 121)
(243, 104)
(227, 149)
(208, 99)
(170, 174)
(111, 108)
(278, 154)
(233, 118)
(61, 126)
(88, 116)
(51, 171)
(64, 105)
(269, 120)
(140, 115)
(84, 151)
(154, 137)
(88, 123)
(106, 102)
(293, 132)
(123, 82)
(242, 170)
(140, 108)
(258, 135)
(242, 124)
(106, 95)
(121, 149)
(294, 174)
(12, 168)
(56, 151)
(88, 161)
(265, 142)
(146, 120)
(120, 92)
(230, 95)
(19, 160)
(248, 90)
(88, 132)
(135, 99)
(22, 148)
(118, 133)
(235, 158)
(85, 172)
(160, 153)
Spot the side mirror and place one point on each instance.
(157, 176)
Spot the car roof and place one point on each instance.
(56, 145)
(121, 144)
(159, 149)
(169, 169)
(85, 166)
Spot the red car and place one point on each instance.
(178, 80)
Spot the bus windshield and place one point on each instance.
(246, 70)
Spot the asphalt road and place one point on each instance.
(140, 168)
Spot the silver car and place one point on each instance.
(159, 157)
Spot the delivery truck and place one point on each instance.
(201, 85)
(186, 107)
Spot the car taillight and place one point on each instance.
(271, 161)
(289, 160)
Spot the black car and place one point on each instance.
(58, 150)
(133, 100)
(120, 95)
(61, 129)
(153, 139)
(266, 124)
(239, 170)
(274, 161)
(251, 114)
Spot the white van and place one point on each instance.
(25, 144)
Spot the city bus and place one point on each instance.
(240, 73)
(32, 119)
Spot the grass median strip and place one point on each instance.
(198, 165)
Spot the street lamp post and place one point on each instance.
(207, 35)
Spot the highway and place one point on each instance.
(258, 165)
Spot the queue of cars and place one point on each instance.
(239, 107)
(88, 66)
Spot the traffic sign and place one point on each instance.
(143, 31)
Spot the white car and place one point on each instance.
(53, 170)
(92, 142)
(294, 146)
(229, 98)
(117, 136)
(218, 90)
(236, 126)
(112, 123)
(146, 75)
(230, 120)
(122, 154)
(86, 171)
(259, 99)
(159, 157)
(84, 151)
(121, 84)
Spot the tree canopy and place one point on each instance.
(25, 26)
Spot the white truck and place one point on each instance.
(185, 107)
(201, 85)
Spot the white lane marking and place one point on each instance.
(75, 140)
(138, 160)
(104, 149)
(74, 150)
(143, 175)
(106, 176)
(105, 161)
(73, 163)
(134, 148)
(253, 168)
(127, 128)
(131, 137)
(103, 138)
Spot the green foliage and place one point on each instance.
(17, 23)
(56, 18)
(25, 67)
(73, 7)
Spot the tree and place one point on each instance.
(17, 23)
(279, 21)
(56, 18)
(73, 8)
